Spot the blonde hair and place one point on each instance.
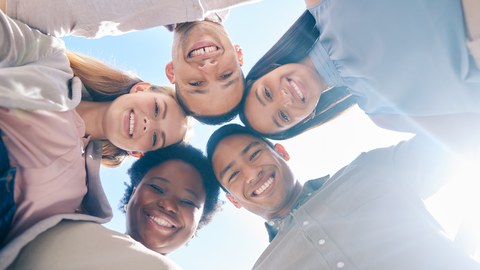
(105, 83)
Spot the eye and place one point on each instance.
(154, 138)
(157, 189)
(268, 94)
(226, 75)
(233, 175)
(155, 109)
(284, 116)
(197, 83)
(255, 154)
(188, 203)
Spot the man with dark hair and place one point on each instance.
(369, 215)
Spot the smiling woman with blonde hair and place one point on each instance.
(61, 114)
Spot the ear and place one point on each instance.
(233, 201)
(281, 151)
(239, 51)
(140, 87)
(131, 195)
(169, 72)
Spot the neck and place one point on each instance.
(92, 114)
(289, 204)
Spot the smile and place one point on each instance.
(202, 51)
(162, 222)
(296, 90)
(131, 124)
(264, 187)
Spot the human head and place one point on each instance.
(252, 171)
(206, 71)
(104, 83)
(145, 119)
(162, 183)
(290, 54)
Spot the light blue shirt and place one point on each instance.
(398, 57)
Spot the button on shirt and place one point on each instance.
(368, 217)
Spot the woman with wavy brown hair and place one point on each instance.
(61, 114)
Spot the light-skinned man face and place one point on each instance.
(206, 68)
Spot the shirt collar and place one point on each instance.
(310, 187)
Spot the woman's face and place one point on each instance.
(143, 121)
(165, 208)
(282, 98)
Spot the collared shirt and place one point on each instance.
(370, 215)
(308, 190)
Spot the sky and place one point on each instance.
(236, 238)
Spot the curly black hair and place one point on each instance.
(187, 154)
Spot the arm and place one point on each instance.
(457, 131)
(94, 19)
(34, 70)
(311, 3)
(421, 164)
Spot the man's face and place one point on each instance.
(206, 68)
(254, 174)
(165, 208)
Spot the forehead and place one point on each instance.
(176, 173)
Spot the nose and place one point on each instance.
(208, 64)
(252, 174)
(284, 98)
(150, 123)
(168, 204)
(146, 124)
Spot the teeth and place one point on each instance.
(297, 90)
(261, 189)
(161, 222)
(203, 50)
(132, 122)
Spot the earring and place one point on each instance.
(136, 154)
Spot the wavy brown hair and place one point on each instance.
(106, 83)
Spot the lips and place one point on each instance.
(203, 49)
(129, 123)
(297, 90)
(162, 221)
(264, 186)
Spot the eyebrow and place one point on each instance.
(165, 108)
(231, 82)
(259, 99)
(243, 152)
(163, 139)
(193, 193)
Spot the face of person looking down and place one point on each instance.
(206, 68)
(165, 208)
(255, 175)
(282, 98)
(144, 120)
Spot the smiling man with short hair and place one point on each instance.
(369, 215)
(206, 71)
